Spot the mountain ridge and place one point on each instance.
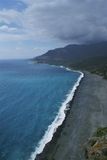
(91, 57)
(74, 52)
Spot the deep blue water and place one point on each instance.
(30, 98)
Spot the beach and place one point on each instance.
(88, 111)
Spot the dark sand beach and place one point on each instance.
(88, 111)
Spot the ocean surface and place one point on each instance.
(31, 96)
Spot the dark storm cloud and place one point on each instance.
(71, 20)
(67, 20)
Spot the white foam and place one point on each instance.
(58, 120)
(68, 69)
(61, 66)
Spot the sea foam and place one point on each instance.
(58, 119)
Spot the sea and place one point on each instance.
(33, 100)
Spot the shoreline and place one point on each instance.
(87, 112)
(48, 147)
(59, 119)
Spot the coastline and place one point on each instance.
(59, 119)
(87, 113)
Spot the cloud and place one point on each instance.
(72, 21)
(5, 28)
(9, 15)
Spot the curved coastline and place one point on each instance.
(58, 119)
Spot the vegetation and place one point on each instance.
(96, 65)
(97, 146)
(101, 132)
(90, 57)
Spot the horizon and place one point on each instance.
(29, 28)
(28, 58)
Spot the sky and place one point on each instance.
(29, 28)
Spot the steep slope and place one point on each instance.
(90, 57)
(72, 54)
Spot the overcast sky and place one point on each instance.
(31, 27)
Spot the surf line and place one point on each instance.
(58, 119)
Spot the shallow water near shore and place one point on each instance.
(30, 98)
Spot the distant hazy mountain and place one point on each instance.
(91, 57)
(74, 53)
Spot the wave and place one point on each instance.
(58, 119)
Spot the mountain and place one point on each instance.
(74, 53)
(91, 57)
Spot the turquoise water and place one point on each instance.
(30, 98)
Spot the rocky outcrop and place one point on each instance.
(97, 146)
